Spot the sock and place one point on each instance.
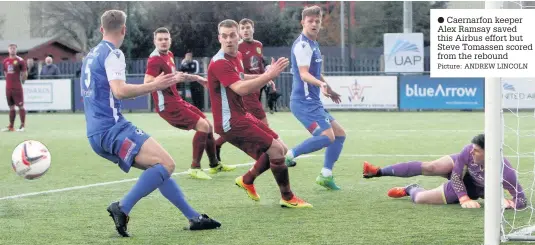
(325, 172)
(172, 192)
(22, 114)
(211, 151)
(218, 143)
(311, 144)
(12, 116)
(280, 172)
(149, 180)
(333, 152)
(260, 166)
(413, 191)
(199, 144)
(406, 169)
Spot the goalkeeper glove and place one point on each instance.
(466, 202)
(507, 204)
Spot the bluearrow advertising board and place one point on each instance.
(424, 92)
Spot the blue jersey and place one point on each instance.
(305, 52)
(104, 63)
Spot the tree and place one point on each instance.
(76, 21)
(376, 18)
(193, 25)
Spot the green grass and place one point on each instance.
(360, 213)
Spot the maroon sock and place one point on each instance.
(280, 172)
(12, 116)
(210, 150)
(218, 143)
(199, 144)
(22, 114)
(260, 166)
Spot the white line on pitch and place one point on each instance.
(238, 165)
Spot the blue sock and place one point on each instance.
(149, 180)
(312, 144)
(172, 192)
(333, 152)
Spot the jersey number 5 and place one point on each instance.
(87, 73)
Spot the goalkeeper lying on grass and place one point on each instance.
(466, 178)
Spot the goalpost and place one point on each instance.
(505, 136)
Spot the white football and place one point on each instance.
(31, 159)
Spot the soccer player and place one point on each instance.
(227, 83)
(16, 74)
(253, 63)
(305, 102)
(179, 113)
(111, 136)
(467, 181)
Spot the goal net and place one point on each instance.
(510, 133)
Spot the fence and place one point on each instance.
(359, 91)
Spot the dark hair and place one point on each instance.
(479, 140)
(314, 11)
(161, 30)
(245, 21)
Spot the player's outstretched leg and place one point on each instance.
(22, 114)
(439, 167)
(418, 194)
(332, 153)
(246, 181)
(12, 116)
(199, 146)
(280, 172)
(172, 192)
(218, 144)
(215, 165)
(312, 144)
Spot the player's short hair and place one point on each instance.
(161, 30)
(245, 21)
(479, 140)
(314, 11)
(228, 23)
(113, 20)
(12, 44)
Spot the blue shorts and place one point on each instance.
(120, 144)
(312, 115)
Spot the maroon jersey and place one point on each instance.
(227, 105)
(157, 63)
(252, 57)
(13, 67)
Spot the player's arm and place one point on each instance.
(303, 57)
(115, 66)
(226, 74)
(457, 180)
(510, 183)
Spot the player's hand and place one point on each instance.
(165, 81)
(272, 85)
(278, 67)
(508, 204)
(203, 81)
(181, 77)
(466, 202)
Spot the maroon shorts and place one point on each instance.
(250, 135)
(15, 96)
(253, 105)
(181, 115)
